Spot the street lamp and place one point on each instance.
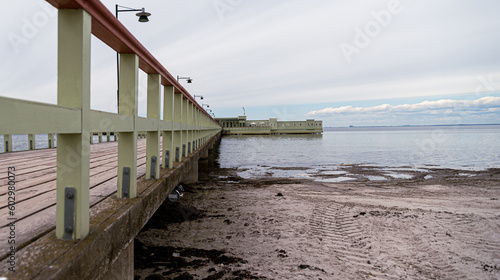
(200, 96)
(189, 80)
(143, 17)
(205, 105)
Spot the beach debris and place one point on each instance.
(306, 266)
(281, 253)
(279, 194)
(360, 214)
(184, 276)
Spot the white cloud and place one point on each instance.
(431, 107)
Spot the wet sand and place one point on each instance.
(438, 224)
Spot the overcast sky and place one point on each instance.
(353, 62)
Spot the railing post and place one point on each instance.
(7, 143)
(73, 150)
(153, 137)
(168, 115)
(50, 140)
(31, 142)
(191, 122)
(185, 136)
(127, 141)
(176, 153)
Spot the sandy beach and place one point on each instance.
(439, 224)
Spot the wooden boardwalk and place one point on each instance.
(35, 194)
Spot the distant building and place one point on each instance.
(241, 125)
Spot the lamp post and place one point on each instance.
(200, 96)
(205, 105)
(189, 80)
(143, 17)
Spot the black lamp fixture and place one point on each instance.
(205, 105)
(143, 17)
(189, 80)
(200, 96)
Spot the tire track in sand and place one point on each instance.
(345, 237)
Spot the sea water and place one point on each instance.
(474, 147)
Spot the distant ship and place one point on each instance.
(351, 125)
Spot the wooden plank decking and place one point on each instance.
(35, 209)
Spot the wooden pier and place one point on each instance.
(73, 211)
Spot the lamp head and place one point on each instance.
(143, 16)
(189, 80)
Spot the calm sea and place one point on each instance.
(459, 147)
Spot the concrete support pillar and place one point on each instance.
(153, 137)
(127, 143)
(168, 136)
(73, 150)
(99, 137)
(7, 143)
(192, 175)
(31, 142)
(123, 267)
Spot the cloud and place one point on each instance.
(484, 104)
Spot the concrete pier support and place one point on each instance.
(123, 266)
(192, 175)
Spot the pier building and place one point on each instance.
(241, 126)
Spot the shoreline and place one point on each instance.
(227, 227)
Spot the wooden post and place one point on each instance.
(50, 140)
(31, 142)
(185, 134)
(153, 137)
(73, 90)
(189, 125)
(168, 115)
(7, 143)
(127, 142)
(178, 127)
